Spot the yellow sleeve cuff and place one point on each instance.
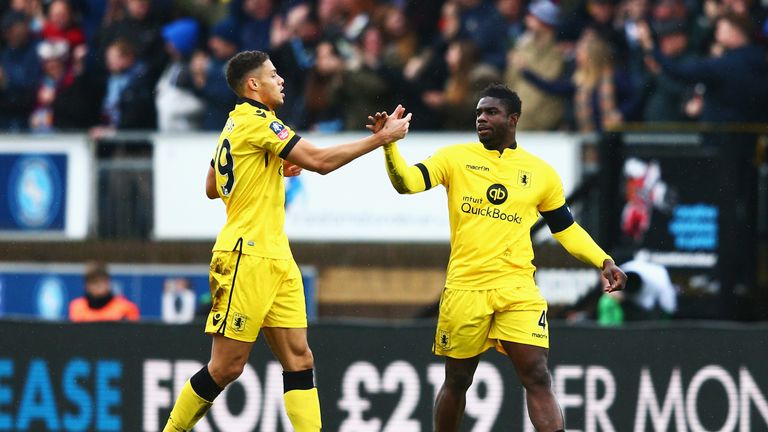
(579, 244)
(404, 178)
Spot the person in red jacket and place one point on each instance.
(59, 25)
(99, 302)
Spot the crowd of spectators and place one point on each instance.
(580, 65)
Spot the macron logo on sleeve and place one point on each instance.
(279, 130)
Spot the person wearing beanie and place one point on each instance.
(537, 51)
(182, 35)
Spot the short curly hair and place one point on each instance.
(239, 66)
(509, 98)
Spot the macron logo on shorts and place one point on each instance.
(279, 130)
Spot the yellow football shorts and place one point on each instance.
(254, 292)
(471, 322)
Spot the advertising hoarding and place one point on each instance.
(354, 203)
(46, 183)
(125, 377)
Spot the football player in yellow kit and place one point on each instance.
(255, 283)
(496, 191)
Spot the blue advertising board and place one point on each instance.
(34, 187)
(175, 294)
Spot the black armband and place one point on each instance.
(558, 219)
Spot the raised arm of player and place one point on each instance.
(327, 159)
(581, 245)
(405, 179)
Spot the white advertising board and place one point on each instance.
(45, 183)
(354, 203)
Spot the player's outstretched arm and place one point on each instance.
(405, 179)
(581, 245)
(327, 159)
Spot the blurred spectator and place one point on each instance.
(136, 24)
(601, 92)
(751, 9)
(597, 16)
(208, 75)
(77, 105)
(401, 43)
(33, 10)
(423, 18)
(100, 303)
(648, 295)
(60, 25)
(602, 14)
(513, 12)
(484, 25)
(736, 88)
(179, 301)
(206, 12)
(57, 76)
(19, 72)
(357, 18)
(323, 108)
(457, 101)
(331, 17)
(629, 15)
(364, 88)
(428, 72)
(666, 95)
(178, 108)
(537, 52)
(253, 21)
(91, 14)
(129, 102)
(293, 54)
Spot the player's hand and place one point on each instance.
(376, 121)
(396, 125)
(612, 277)
(291, 170)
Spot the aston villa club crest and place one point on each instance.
(444, 339)
(524, 179)
(238, 322)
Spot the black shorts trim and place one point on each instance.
(238, 247)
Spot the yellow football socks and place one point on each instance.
(189, 408)
(303, 408)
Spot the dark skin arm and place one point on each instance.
(612, 277)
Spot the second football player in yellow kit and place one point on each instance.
(496, 191)
(255, 283)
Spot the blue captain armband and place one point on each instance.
(558, 219)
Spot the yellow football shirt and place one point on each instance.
(248, 163)
(493, 201)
